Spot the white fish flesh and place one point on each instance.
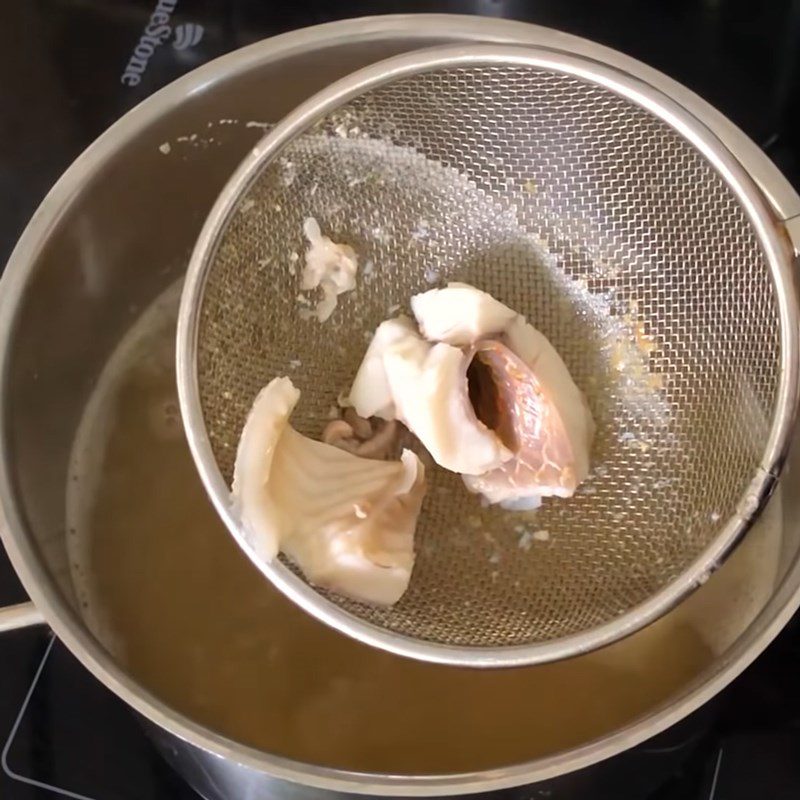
(428, 383)
(459, 314)
(424, 386)
(330, 266)
(525, 391)
(347, 522)
(370, 394)
(486, 394)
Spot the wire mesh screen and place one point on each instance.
(615, 238)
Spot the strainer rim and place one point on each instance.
(631, 88)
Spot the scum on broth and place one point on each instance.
(167, 590)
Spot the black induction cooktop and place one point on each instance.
(64, 77)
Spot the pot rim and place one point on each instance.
(71, 629)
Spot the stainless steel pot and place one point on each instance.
(117, 229)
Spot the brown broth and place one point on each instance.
(196, 623)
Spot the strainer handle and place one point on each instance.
(793, 229)
(20, 615)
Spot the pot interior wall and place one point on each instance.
(123, 238)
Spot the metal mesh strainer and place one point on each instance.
(619, 226)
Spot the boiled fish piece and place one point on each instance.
(534, 349)
(521, 389)
(428, 384)
(424, 386)
(517, 401)
(460, 314)
(370, 394)
(347, 522)
(484, 391)
(329, 265)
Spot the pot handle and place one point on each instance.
(20, 616)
